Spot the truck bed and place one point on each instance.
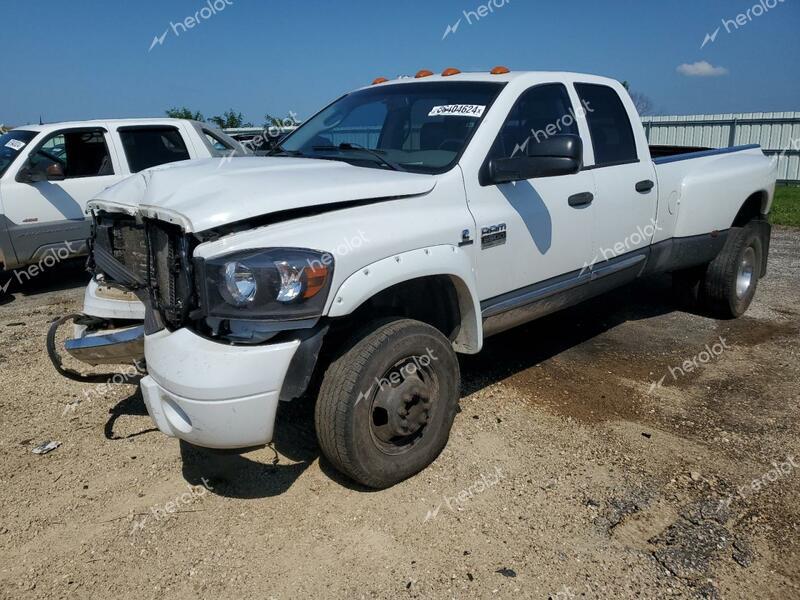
(667, 154)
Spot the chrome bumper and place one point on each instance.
(108, 347)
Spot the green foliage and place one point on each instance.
(184, 113)
(786, 207)
(230, 119)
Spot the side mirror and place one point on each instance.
(43, 171)
(558, 155)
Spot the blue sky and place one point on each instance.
(91, 59)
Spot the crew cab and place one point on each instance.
(404, 223)
(49, 172)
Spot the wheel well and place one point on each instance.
(753, 208)
(432, 300)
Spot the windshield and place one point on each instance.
(420, 127)
(11, 144)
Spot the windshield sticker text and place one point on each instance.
(15, 145)
(458, 110)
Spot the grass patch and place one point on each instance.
(786, 207)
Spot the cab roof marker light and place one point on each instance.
(379, 80)
(450, 71)
(423, 73)
(499, 70)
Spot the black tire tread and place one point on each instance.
(340, 384)
(719, 283)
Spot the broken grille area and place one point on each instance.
(157, 254)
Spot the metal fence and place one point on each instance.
(778, 133)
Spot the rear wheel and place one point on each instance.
(731, 279)
(387, 404)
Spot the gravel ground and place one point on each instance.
(583, 464)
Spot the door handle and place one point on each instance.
(645, 186)
(584, 199)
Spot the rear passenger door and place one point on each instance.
(624, 177)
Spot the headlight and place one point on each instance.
(240, 283)
(266, 285)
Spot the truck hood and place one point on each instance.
(204, 194)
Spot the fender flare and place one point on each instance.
(445, 260)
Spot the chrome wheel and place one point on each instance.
(746, 273)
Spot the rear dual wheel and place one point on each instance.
(725, 287)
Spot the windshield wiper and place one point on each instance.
(377, 154)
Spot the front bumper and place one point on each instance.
(212, 394)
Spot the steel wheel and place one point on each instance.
(401, 405)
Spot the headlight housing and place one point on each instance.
(272, 284)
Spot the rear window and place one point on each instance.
(147, 147)
(609, 125)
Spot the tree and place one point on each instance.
(230, 120)
(643, 103)
(184, 113)
(270, 121)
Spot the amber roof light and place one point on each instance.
(380, 80)
(500, 71)
(450, 71)
(423, 73)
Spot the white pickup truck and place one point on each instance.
(404, 223)
(49, 172)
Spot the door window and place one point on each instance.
(147, 147)
(541, 112)
(610, 127)
(80, 153)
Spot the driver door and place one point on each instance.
(52, 212)
(534, 231)
(85, 156)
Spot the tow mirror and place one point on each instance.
(557, 155)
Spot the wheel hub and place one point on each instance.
(745, 275)
(402, 405)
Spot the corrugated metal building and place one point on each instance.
(778, 133)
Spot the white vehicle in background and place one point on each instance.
(479, 201)
(49, 172)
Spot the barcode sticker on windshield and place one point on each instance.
(458, 110)
(15, 145)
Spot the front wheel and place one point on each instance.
(387, 404)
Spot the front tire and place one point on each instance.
(387, 404)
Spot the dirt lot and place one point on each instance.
(571, 471)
